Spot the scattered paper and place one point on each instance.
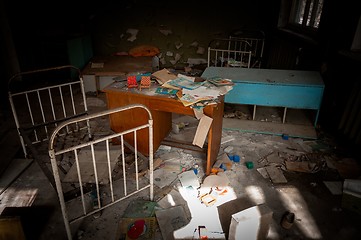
(171, 219)
(189, 178)
(198, 113)
(219, 180)
(164, 75)
(202, 92)
(186, 77)
(200, 50)
(133, 34)
(166, 32)
(163, 177)
(194, 44)
(178, 45)
(184, 83)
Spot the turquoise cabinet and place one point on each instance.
(272, 87)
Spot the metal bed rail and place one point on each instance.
(229, 52)
(116, 190)
(256, 40)
(37, 111)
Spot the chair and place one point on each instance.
(144, 82)
(132, 81)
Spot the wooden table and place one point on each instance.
(272, 87)
(161, 107)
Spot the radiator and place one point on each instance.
(282, 54)
(350, 124)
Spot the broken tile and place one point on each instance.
(276, 174)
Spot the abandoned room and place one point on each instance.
(180, 120)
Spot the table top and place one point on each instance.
(266, 76)
(117, 65)
(160, 102)
(121, 87)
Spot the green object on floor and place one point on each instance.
(140, 208)
(249, 165)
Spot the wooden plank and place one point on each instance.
(16, 167)
(276, 174)
(202, 131)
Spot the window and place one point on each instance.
(306, 13)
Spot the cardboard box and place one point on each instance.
(251, 223)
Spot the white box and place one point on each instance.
(91, 84)
(251, 223)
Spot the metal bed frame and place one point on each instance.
(86, 167)
(241, 49)
(229, 52)
(117, 189)
(39, 100)
(256, 42)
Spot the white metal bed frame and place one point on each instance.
(244, 48)
(41, 99)
(113, 196)
(255, 45)
(229, 52)
(237, 48)
(53, 122)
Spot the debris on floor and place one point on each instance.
(171, 219)
(138, 221)
(252, 171)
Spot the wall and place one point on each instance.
(191, 26)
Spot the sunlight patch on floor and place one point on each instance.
(256, 194)
(294, 202)
(203, 215)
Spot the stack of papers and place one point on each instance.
(190, 91)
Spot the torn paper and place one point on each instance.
(178, 45)
(166, 32)
(200, 50)
(198, 113)
(164, 75)
(133, 34)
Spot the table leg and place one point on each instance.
(214, 136)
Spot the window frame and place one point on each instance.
(290, 11)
